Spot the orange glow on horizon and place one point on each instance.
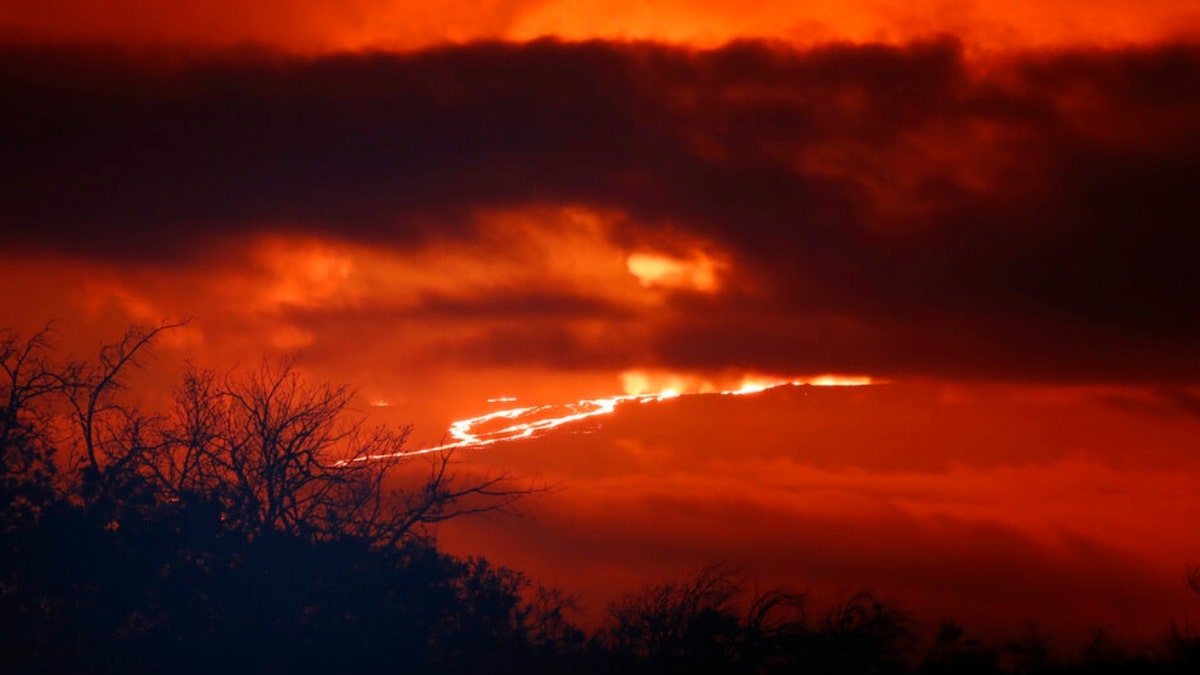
(704, 23)
(322, 26)
(641, 382)
(841, 381)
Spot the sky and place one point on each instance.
(985, 209)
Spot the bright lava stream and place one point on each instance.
(517, 423)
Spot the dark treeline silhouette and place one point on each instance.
(250, 527)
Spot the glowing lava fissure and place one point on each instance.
(514, 424)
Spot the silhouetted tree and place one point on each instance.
(1181, 645)
(1029, 653)
(776, 631)
(253, 513)
(545, 617)
(679, 622)
(28, 379)
(1102, 654)
(704, 623)
(111, 434)
(863, 634)
(953, 653)
(280, 455)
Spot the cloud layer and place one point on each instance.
(886, 209)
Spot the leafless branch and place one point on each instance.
(89, 389)
(281, 454)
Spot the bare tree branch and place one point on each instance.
(104, 424)
(28, 380)
(282, 455)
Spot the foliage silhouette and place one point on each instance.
(251, 517)
(252, 528)
(27, 467)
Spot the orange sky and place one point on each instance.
(989, 206)
(993, 504)
(324, 25)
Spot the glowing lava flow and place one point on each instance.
(514, 424)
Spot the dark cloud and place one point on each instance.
(904, 208)
(128, 155)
